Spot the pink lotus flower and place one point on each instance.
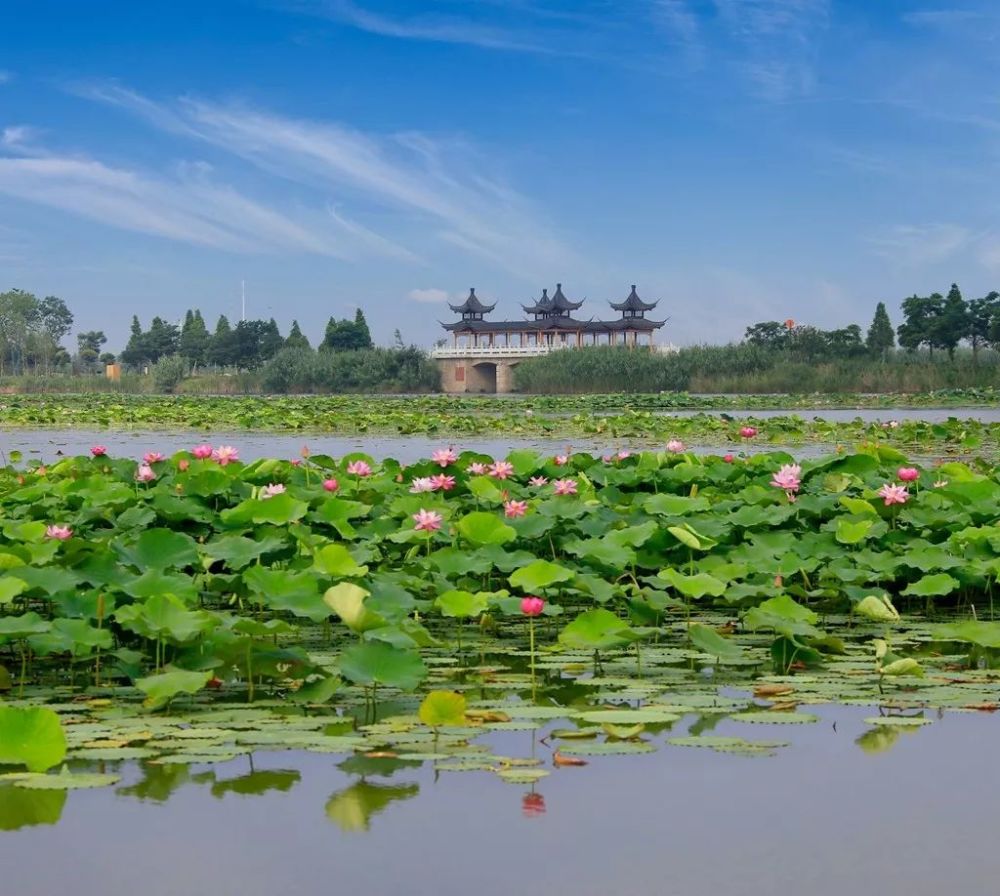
(891, 424)
(330, 485)
(152, 457)
(728, 458)
(98, 450)
(296, 461)
(607, 458)
(421, 484)
(269, 491)
(59, 533)
(202, 452)
(788, 478)
(538, 481)
(226, 454)
(748, 432)
(513, 509)
(532, 606)
(304, 452)
(359, 468)
(893, 494)
(427, 520)
(908, 474)
(144, 473)
(560, 460)
(442, 482)
(183, 465)
(501, 469)
(675, 446)
(444, 456)
(624, 454)
(478, 469)
(564, 486)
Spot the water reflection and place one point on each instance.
(353, 808)
(20, 808)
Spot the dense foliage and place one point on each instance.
(360, 370)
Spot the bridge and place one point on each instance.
(484, 368)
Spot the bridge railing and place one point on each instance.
(495, 351)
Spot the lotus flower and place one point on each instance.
(330, 485)
(421, 484)
(98, 450)
(560, 460)
(532, 804)
(908, 474)
(359, 468)
(478, 469)
(59, 533)
(728, 458)
(675, 446)
(501, 469)
(152, 457)
(427, 520)
(296, 461)
(538, 481)
(442, 482)
(513, 509)
(304, 452)
(226, 454)
(269, 491)
(748, 432)
(144, 473)
(788, 478)
(532, 606)
(893, 494)
(564, 486)
(202, 452)
(183, 464)
(444, 456)
(624, 454)
(891, 424)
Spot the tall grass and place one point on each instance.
(748, 369)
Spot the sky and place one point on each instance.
(738, 160)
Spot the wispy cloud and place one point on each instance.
(186, 208)
(430, 296)
(921, 244)
(18, 136)
(775, 42)
(681, 27)
(5, 76)
(435, 28)
(431, 182)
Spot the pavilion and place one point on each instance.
(552, 324)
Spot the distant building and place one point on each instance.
(552, 324)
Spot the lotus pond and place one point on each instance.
(623, 668)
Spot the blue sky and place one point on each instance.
(740, 160)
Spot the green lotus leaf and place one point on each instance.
(32, 737)
(238, 551)
(14, 627)
(710, 641)
(600, 629)
(161, 549)
(932, 586)
(696, 586)
(10, 588)
(347, 600)
(540, 574)
(162, 688)
(482, 528)
(374, 663)
(674, 505)
(462, 604)
(336, 560)
(851, 532)
(982, 634)
(877, 608)
(165, 616)
(442, 708)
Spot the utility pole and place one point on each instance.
(243, 307)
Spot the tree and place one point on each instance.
(88, 346)
(981, 313)
(880, 336)
(194, 339)
(951, 324)
(56, 322)
(135, 353)
(363, 336)
(296, 338)
(769, 334)
(161, 340)
(19, 318)
(271, 341)
(222, 347)
(919, 316)
(845, 342)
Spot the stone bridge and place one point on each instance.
(484, 368)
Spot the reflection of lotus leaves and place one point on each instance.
(353, 809)
(21, 808)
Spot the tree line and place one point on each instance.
(246, 346)
(935, 322)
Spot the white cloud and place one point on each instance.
(921, 244)
(17, 136)
(183, 208)
(429, 296)
(430, 181)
